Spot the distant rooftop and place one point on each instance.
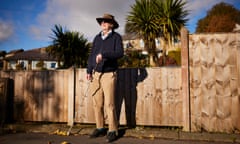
(34, 54)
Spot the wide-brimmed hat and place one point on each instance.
(108, 18)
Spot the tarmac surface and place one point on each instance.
(62, 134)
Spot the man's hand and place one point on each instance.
(98, 58)
(89, 77)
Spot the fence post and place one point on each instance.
(71, 98)
(185, 79)
(238, 76)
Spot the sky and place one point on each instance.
(28, 24)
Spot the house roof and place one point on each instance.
(34, 54)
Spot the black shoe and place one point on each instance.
(98, 133)
(111, 136)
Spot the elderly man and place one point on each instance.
(101, 71)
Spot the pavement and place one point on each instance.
(139, 132)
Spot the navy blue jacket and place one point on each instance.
(111, 49)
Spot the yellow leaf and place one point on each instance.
(151, 137)
(65, 142)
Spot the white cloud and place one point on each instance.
(6, 30)
(79, 15)
(200, 7)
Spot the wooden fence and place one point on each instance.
(39, 95)
(204, 93)
(144, 96)
(215, 82)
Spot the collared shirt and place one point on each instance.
(105, 36)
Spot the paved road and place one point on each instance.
(43, 138)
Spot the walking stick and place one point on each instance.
(85, 95)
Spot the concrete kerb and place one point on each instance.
(138, 132)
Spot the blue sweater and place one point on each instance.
(111, 49)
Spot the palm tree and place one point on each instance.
(150, 19)
(172, 18)
(142, 21)
(69, 47)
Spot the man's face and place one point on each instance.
(106, 26)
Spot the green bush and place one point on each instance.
(40, 64)
(133, 59)
(176, 55)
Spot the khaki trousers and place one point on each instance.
(102, 89)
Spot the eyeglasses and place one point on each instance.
(106, 21)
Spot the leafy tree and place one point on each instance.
(2, 55)
(150, 19)
(221, 18)
(69, 47)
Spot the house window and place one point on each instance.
(141, 43)
(53, 65)
(157, 42)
